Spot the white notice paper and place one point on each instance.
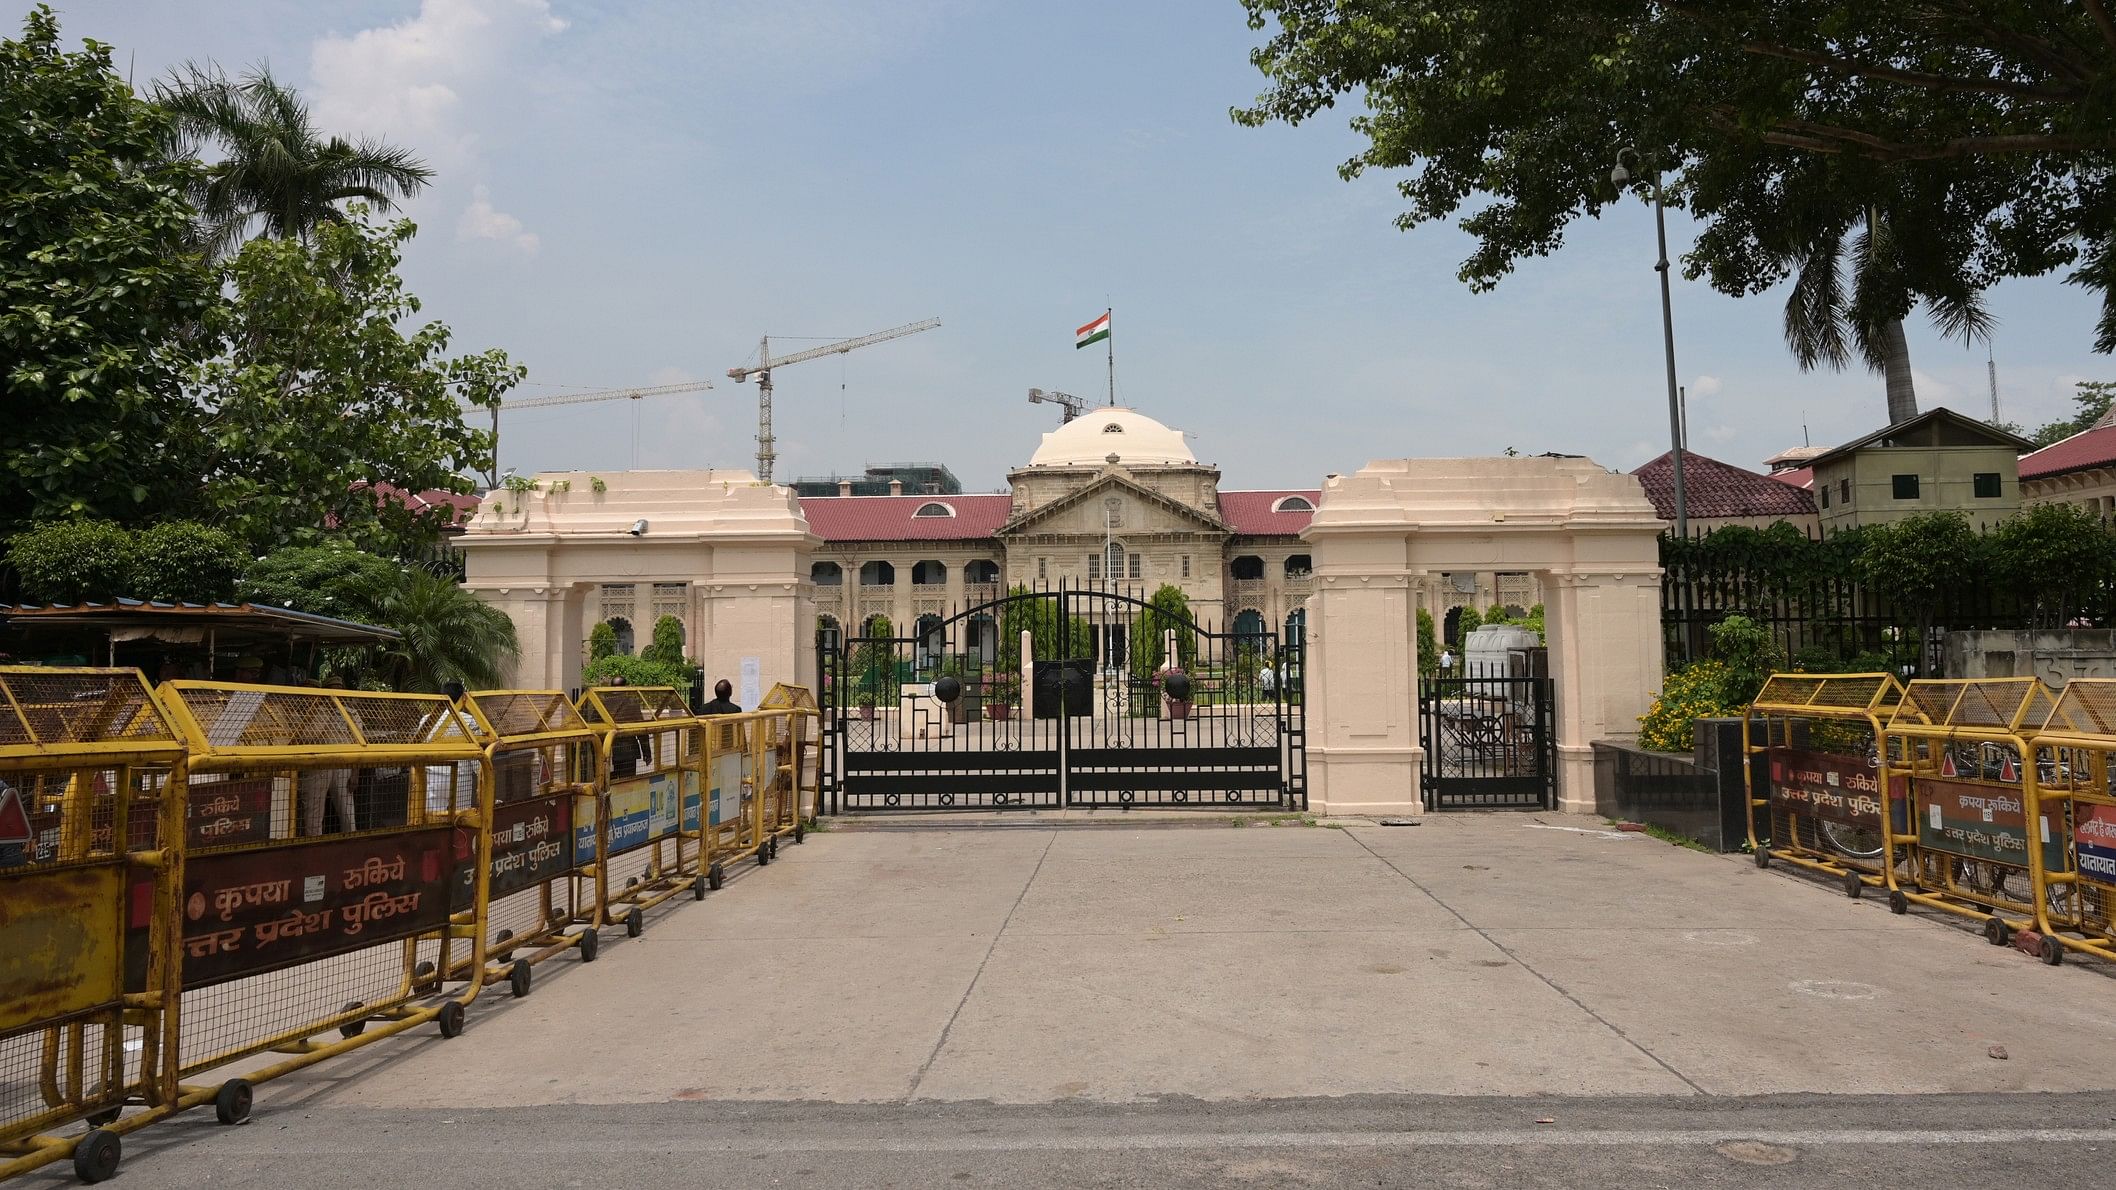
(752, 682)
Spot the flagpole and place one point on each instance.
(1109, 340)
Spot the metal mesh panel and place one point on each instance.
(2087, 706)
(1927, 702)
(252, 717)
(636, 704)
(1843, 692)
(782, 696)
(405, 720)
(527, 712)
(78, 706)
(230, 1019)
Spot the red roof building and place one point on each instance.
(2080, 470)
(1716, 493)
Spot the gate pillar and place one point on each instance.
(1589, 533)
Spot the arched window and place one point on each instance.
(1298, 566)
(984, 570)
(877, 574)
(826, 574)
(1249, 623)
(932, 641)
(929, 573)
(1112, 428)
(1248, 566)
(934, 508)
(623, 628)
(1293, 504)
(1296, 628)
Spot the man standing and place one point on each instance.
(722, 704)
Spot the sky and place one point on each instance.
(636, 191)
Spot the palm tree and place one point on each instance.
(1825, 323)
(274, 168)
(449, 635)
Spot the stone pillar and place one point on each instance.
(1606, 656)
(1362, 656)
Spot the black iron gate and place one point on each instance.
(1121, 703)
(1490, 742)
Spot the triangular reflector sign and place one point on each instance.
(2007, 771)
(14, 820)
(1947, 765)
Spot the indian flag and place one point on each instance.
(1093, 332)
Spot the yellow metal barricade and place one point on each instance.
(732, 821)
(541, 760)
(1824, 807)
(786, 799)
(320, 900)
(92, 833)
(2075, 775)
(646, 838)
(1980, 842)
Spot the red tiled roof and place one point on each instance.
(2088, 448)
(1249, 513)
(888, 518)
(1799, 477)
(454, 508)
(1715, 489)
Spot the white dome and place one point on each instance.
(1088, 440)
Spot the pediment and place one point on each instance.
(1142, 509)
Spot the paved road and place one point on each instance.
(1785, 1142)
(1277, 1005)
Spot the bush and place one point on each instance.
(325, 580)
(1699, 691)
(186, 562)
(1428, 645)
(667, 645)
(602, 641)
(73, 561)
(1749, 654)
(637, 671)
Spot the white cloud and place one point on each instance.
(1705, 386)
(409, 79)
(481, 221)
(1719, 435)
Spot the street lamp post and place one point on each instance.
(1621, 175)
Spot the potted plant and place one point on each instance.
(1175, 691)
(1001, 689)
(866, 704)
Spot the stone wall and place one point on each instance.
(2056, 655)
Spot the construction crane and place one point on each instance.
(765, 363)
(584, 398)
(1072, 405)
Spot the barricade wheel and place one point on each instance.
(800, 833)
(590, 941)
(715, 876)
(1996, 933)
(1853, 886)
(763, 854)
(352, 1029)
(503, 938)
(451, 1019)
(632, 882)
(108, 1115)
(231, 1104)
(424, 970)
(2051, 951)
(635, 923)
(518, 978)
(1897, 902)
(698, 889)
(1763, 857)
(95, 1159)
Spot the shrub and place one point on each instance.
(602, 641)
(1428, 645)
(667, 645)
(1699, 691)
(186, 562)
(324, 580)
(636, 671)
(73, 561)
(1749, 654)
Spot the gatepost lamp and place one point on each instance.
(1621, 176)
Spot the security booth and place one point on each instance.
(93, 826)
(319, 899)
(1813, 742)
(1981, 844)
(641, 836)
(540, 759)
(789, 797)
(2075, 782)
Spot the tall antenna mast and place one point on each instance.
(1991, 368)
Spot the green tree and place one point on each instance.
(185, 562)
(68, 562)
(667, 645)
(1749, 655)
(2093, 398)
(2056, 557)
(322, 397)
(1428, 645)
(328, 580)
(638, 671)
(446, 634)
(1168, 611)
(1974, 133)
(100, 294)
(272, 170)
(1915, 561)
(1038, 615)
(602, 641)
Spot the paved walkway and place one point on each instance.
(1515, 956)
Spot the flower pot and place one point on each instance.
(997, 712)
(866, 712)
(1179, 708)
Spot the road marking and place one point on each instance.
(683, 1142)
